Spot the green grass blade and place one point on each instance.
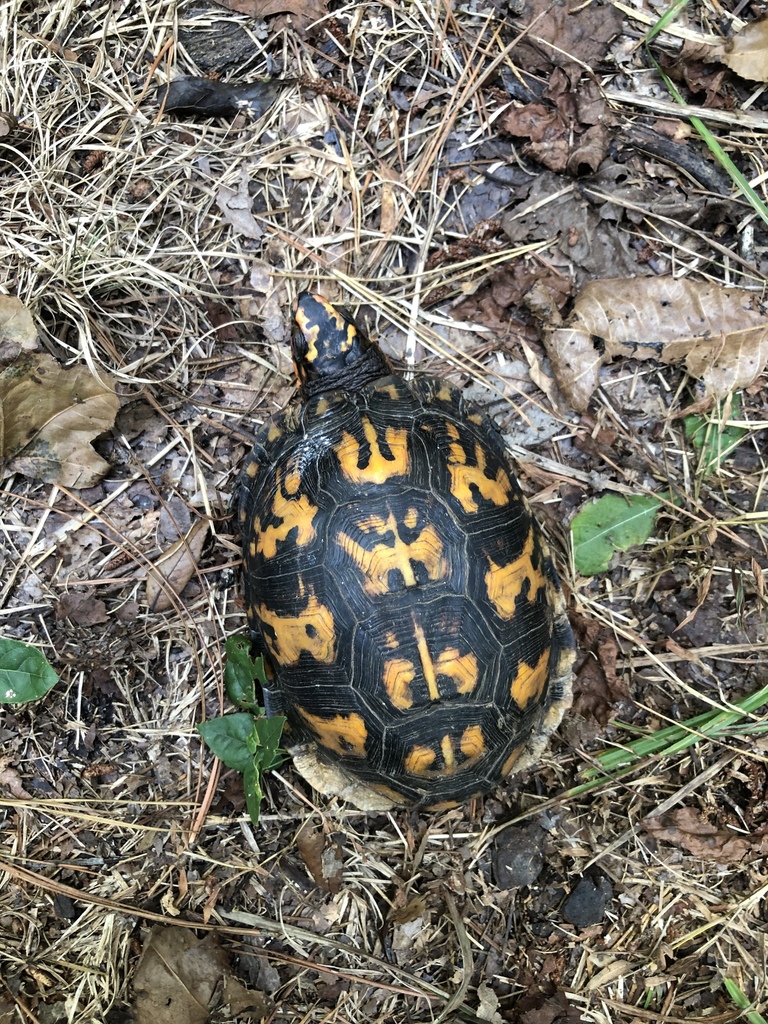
(742, 1002)
(675, 738)
(713, 145)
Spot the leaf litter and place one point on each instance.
(373, 186)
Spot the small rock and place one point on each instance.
(587, 902)
(518, 856)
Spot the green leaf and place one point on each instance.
(228, 737)
(249, 745)
(253, 792)
(612, 523)
(240, 672)
(25, 674)
(713, 441)
(268, 732)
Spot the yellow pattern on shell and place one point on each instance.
(311, 630)
(530, 682)
(397, 678)
(343, 734)
(464, 477)
(504, 583)
(461, 668)
(420, 758)
(378, 562)
(297, 513)
(379, 468)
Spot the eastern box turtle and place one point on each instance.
(412, 622)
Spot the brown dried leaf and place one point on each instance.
(546, 130)
(303, 12)
(323, 857)
(177, 977)
(182, 978)
(235, 205)
(11, 780)
(747, 52)
(48, 417)
(81, 609)
(175, 567)
(687, 827)
(720, 334)
(17, 329)
(565, 33)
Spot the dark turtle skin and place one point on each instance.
(412, 622)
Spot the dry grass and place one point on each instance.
(112, 816)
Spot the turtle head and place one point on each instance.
(329, 349)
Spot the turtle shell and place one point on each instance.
(410, 614)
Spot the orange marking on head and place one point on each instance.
(397, 678)
(463, 477)
(379, 469)
(311, 630)
(530, 683)
(504, 583)
(377, 562)
(343, 734)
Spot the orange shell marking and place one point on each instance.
(293, 513)
(376, 563)
(464, 477)
(343, 734)
(504, 583)
(311, 630)
(379, 468)
(530, 683)
(420, 758)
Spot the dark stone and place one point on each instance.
(587, 902)
(518, 856)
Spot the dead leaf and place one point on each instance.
(48, 417)
(177, 977)
(11, 780)
(747, 52)
(719, 334)
(565, 33)
(598, 688)
(235, 204)
(175, 567)
(17, 329)
(686, 827)
(488, 1005)
(183, 978)
(81, 609)
(541, 379)
(323, 856)
(303, 12)
(585, 231)
(546, 130)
